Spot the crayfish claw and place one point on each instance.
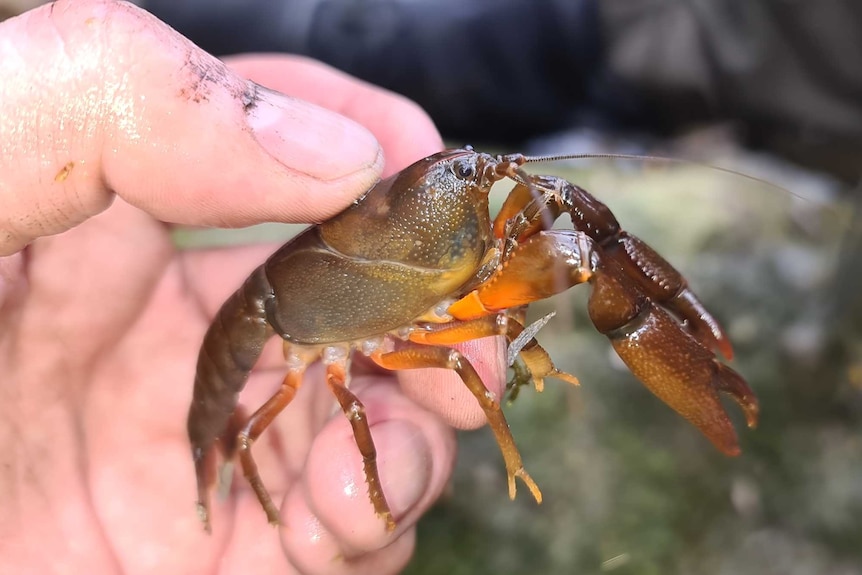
(685, 374)
(731, 383)
(700, 322)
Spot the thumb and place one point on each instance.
(99, 97)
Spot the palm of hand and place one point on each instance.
(103, 472)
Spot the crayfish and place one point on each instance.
(417, 264)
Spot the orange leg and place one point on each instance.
(252, 429)
(460, 331)
(414, 357)
(536, 359)
(355, 412)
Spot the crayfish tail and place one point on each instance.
(230, 349)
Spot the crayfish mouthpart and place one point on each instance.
(521, 341)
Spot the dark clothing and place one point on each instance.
(787, 74)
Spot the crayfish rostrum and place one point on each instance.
(417, 264)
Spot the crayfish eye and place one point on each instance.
(464, 170)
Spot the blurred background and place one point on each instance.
(770, 90)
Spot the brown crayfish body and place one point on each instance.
(416, 265)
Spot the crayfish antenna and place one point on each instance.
(521, 159)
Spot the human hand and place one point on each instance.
(113, 128)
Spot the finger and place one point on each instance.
(255, 549)
(316, 551)
(11, 275)
(415, 455)
(404, 130)
(99, 97)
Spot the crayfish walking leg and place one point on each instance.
(336, 377)
(415, 356)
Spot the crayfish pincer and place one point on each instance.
(418, 265)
